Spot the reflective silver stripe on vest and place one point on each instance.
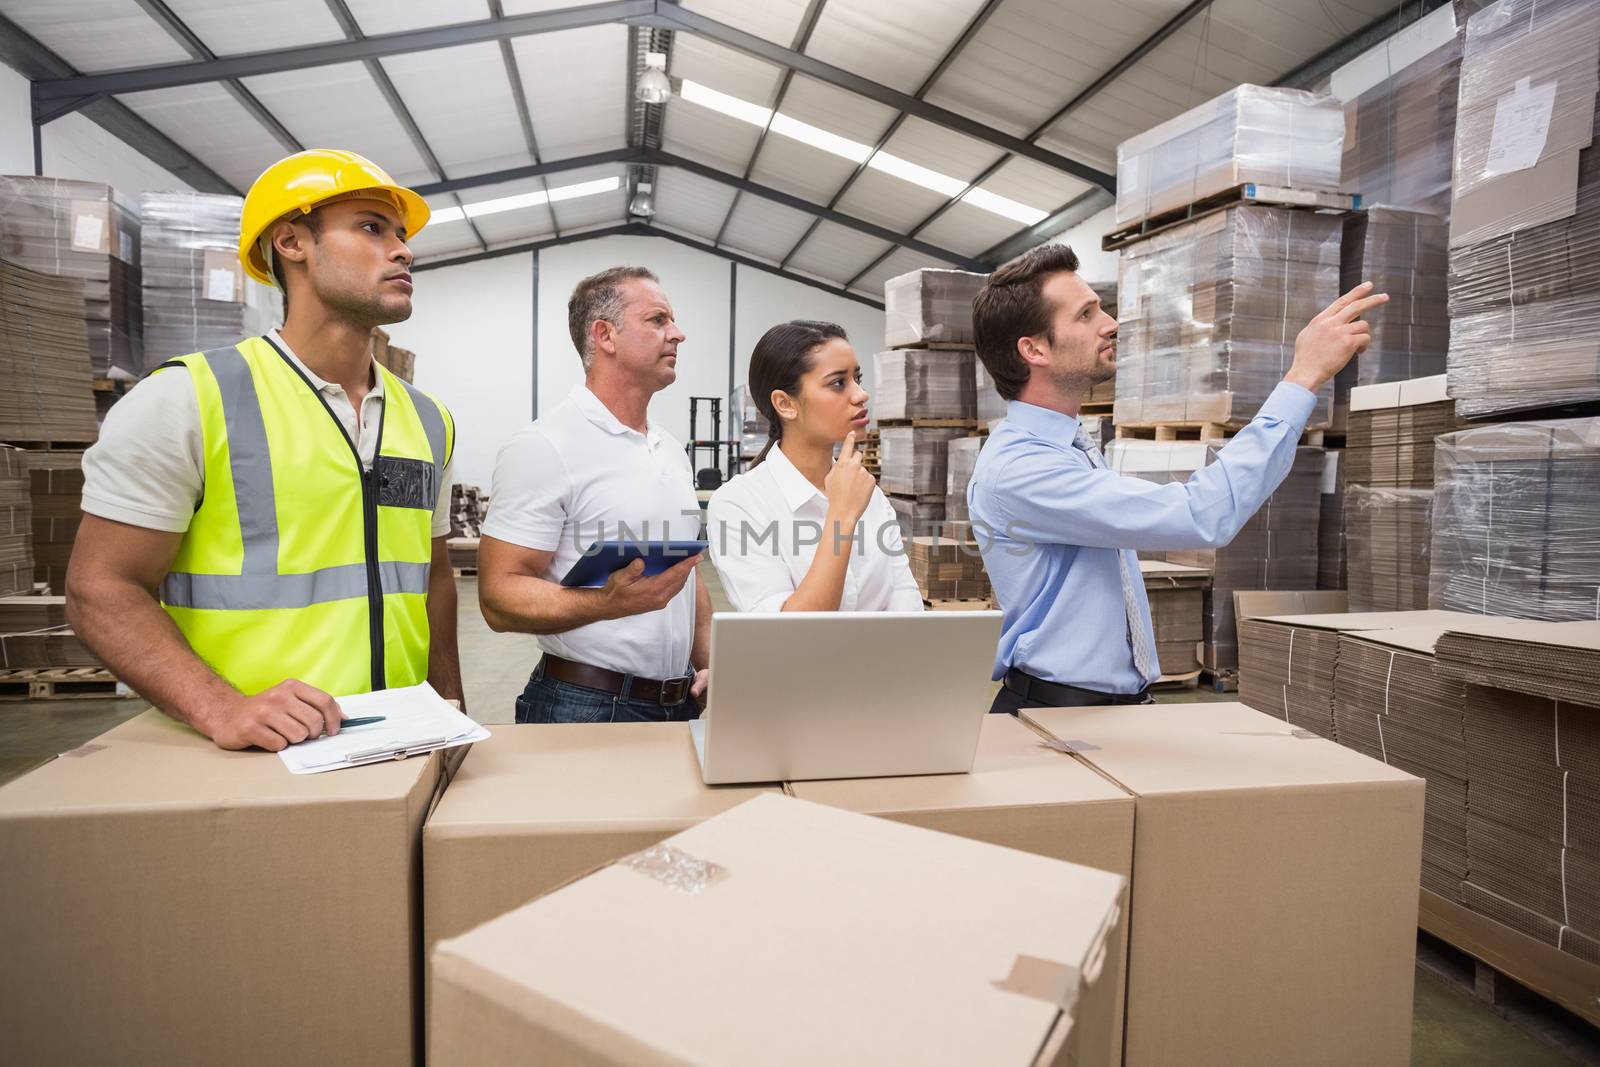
(432, 425)
(249, 460)
(254, 592)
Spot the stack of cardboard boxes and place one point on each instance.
(1388, 507)
(1525, 221)
(1253, 133)
(34, 633)
(1095, 964)
(1514, 522)
(402, 361)
(1177, 597)
(88, 232)
(1533, 760)
(961, 459)
(196, 295)
(469, 506)
(1210, 311)
(44, 360)
(1276, 549)
(16, 523)
(928, 387)
(947, 569)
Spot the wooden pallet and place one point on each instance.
(1501, 952)
(57, 683)
(1247, 193)
(1168, 682)
(1222, 681)
(1206, 431)
(931, 424)
(51, 446)
(1096, 407)
(985, 604)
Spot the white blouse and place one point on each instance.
(765, 526)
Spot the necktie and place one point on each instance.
(1144, 653)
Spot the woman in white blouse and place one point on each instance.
(801, 531)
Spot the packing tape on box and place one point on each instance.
(675, 868)
(1048, 980)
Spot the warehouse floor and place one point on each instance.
(1451, 1029)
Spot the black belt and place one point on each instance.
(668, 694)
(1059, 695)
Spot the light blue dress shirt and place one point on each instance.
(1059, 524)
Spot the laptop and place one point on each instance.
(845, 694)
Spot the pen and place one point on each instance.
(365, 721)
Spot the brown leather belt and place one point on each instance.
(668, 694)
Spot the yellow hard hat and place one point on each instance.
(307, 179)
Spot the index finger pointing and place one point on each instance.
(1352, 311)
(1345, 300)
(849, 446)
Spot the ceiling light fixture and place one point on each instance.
(522, 200)
(643, 204)
(653, 86)
(856, 152)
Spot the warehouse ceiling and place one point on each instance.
(840, 141)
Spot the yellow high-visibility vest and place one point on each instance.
(298, 562)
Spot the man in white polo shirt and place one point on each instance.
(637, 649)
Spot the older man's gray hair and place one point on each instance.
(598, 298)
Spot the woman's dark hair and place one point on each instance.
(782, 357)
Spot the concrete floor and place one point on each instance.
(1451, 1028)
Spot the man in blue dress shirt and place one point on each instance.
(1058, 529)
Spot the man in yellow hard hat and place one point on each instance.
(264, 525)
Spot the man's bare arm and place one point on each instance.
(515, 598)
(112, 604)
(444, 656)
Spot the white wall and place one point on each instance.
(473, 330)
(1094, 265)
(74, 147)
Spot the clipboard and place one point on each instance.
(417, 721)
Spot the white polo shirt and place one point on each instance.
(765, 526)
(576, 476)
(148, 467)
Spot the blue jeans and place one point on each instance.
(547, 700)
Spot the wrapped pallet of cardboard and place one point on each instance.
(16, 523)
(991, 406)
(1516, 528)
(1252, 133)
(1276, 549)
(1401, 253)
(196, 294)
(926, 383)
(55, 478)
(1525, 221)
(837, 974)
(1210, 311)
(1389, 536)
(961, 459)
(1331, 554)
(1392, 431)
(929, 306)
(914, 459)
(48, 394)
(90, 232)
(1399, 102)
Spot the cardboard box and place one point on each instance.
(177, 903)
(1021, 793)
(783, 931)
(540, 806)
(1275, 894)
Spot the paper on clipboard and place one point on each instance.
(417, 721)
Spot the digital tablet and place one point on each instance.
(596, 565)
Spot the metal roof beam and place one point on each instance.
(639, 229)
(961, 42)
(252, 64)
(24, 53)
(179, 31)
(655, 157)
